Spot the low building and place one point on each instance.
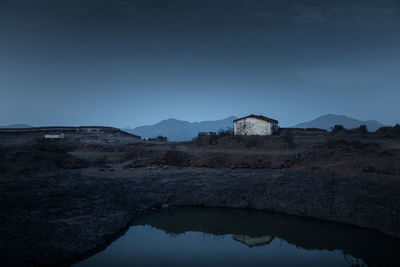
(54, 136)
(254, 125)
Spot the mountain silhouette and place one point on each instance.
(330, 120)
(178, 130)
(16, 126)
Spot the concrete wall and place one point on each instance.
(252, 126)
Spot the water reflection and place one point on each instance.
(252, 241)
(233, 237)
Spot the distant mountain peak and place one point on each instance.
(329, 120)
(179, 130)
(20, 125)
(171, 119)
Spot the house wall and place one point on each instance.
(252, 126)
(54, 136)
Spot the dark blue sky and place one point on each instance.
(129, 63)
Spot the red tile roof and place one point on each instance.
(260, 117)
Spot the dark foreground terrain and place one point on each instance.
(62, 200)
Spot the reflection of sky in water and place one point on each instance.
(147, 246)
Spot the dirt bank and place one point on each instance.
(54, 218)
(61, 199)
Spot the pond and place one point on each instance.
(236, 237)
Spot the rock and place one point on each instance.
(387, 171)
(338, 128)
(389, 132)
(276, 165)
(134, 165)
(369, 169)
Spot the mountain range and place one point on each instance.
(330, 120)
(178, 130)
(16, 126)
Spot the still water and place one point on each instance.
(233, 237)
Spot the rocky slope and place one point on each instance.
(60, 201)
(60, 217)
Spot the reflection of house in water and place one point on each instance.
(253, 241)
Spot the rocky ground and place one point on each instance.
(60, 201)
(61, 216)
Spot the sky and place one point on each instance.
(136, 62)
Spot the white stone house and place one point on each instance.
(254, 125)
